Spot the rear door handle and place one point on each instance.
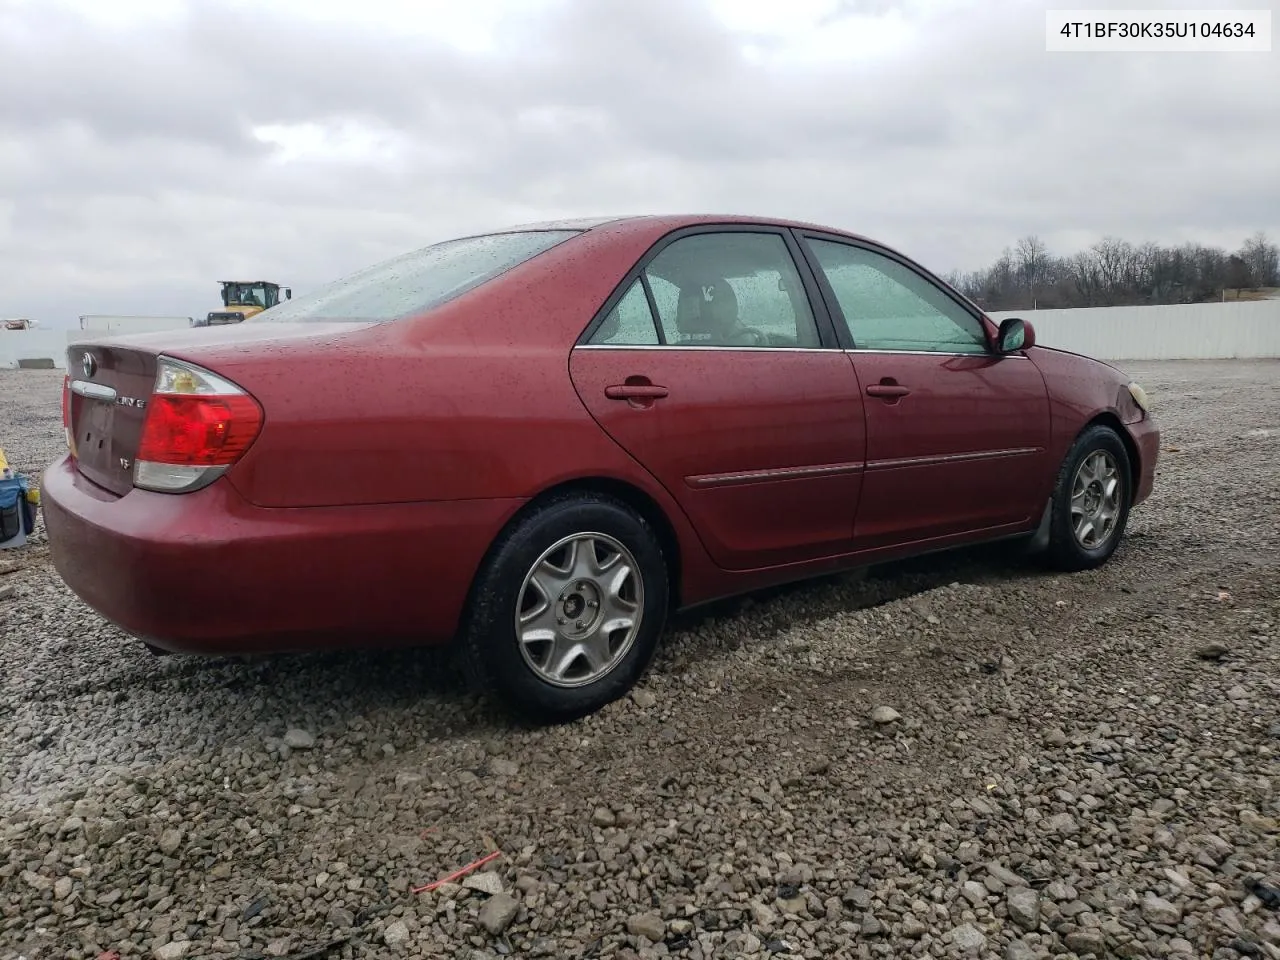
(887, 390)
(635, 391)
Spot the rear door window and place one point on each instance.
(731, 289)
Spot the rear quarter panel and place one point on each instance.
(418, 424)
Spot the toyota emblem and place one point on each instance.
(88, 364)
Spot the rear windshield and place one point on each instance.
(416, 282)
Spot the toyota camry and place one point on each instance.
(537, 442)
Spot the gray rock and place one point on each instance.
(109, 832)
(175, 950)
(1063, 824)
(498, 913)
(793, 906)
(883, 715)
(859, 897)
(647, 925)
(968, 939)
(763, 915)
(1158, 910)
(1023, 905)
(912, 928)
(1086, 941)
(395, 934)
(1005, 875)
(486, 881)
(170, 841)
(1252, 820)
(36, 881)
(1021, 950)
(644, 699)
(71, 826)
(603, 817)
(504, 768)
(299, 739)
(1073, 908)
(1060, 890)
(741, 943)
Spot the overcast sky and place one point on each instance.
(149, 148)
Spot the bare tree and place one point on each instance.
(1115, 261)
(1262, 259)
(1087, 278)
(1114, 272)
(1237, 277)
(1031, 258)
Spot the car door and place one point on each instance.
(957, 434)
(710, 368)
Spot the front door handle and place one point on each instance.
(635, 391)
(887, 390)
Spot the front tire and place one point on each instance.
(1091, 501)
(567, 610)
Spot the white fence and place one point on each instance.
(1199, 331)
(35, 345)
(1195, 331)
(40, 345)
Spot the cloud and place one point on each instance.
(153, 147)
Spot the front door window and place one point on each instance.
(887, 306)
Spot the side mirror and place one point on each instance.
(288, 293)
(1015, 334)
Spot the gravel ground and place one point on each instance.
(1079, 766)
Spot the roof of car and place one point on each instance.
(671, 221)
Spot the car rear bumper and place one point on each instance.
(208, 572)
(1146, 437)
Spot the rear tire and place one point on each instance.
(566, 612)
(1091, 501)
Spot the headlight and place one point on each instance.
(1140, 397)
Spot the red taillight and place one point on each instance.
(197, 425)
(198, 431)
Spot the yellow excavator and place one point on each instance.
(244, 298)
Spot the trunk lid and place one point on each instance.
(110, 389)
(110, 385)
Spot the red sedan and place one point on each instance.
(539, 441)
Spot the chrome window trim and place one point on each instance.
(693, 346)
(940, 353)
(745, 349)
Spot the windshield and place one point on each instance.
(418, 281)
(249, 295)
